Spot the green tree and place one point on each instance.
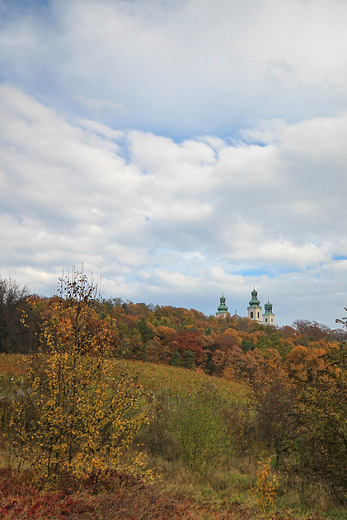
(189, 359)
(146, 332)
(246, 346)
(201, 431)
(176, 360)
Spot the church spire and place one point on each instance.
(254, 309)
(222, 308)
(254, 301)
(268, 316)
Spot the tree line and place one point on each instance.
(160, 334)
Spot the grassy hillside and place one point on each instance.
(180, 381)
(195, 448)
(153, 377)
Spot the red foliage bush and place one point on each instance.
(128, 498)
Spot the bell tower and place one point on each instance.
(268, 316)
(254, 309)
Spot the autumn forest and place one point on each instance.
(111, 409)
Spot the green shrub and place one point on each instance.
(202, 432)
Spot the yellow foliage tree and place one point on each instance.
(266, 489)
(78, 417)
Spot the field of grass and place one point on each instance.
(153, 377)
(180, 381)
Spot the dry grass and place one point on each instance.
(154, 377)
(179, 381)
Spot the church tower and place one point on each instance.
(222, 309)
(254, 309)
(268, 316)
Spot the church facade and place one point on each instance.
(254, 310)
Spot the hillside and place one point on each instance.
(200, 417)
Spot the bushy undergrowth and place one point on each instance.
(205, 438)
(190, 428)
(117, 496)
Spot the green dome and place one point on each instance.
(222, 308)
(268, 307)
(254, 301)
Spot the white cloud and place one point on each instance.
(247, 200)
(185, 66)
(287, 253)
(177, 280)
(248, 164)
(100, 129)
(341, 265)
(309, 38)
(177, 147)
(266, 132)
(99, 104)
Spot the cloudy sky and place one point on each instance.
(179, 148)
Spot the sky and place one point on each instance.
(178, 149)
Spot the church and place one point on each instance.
(254, 310)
